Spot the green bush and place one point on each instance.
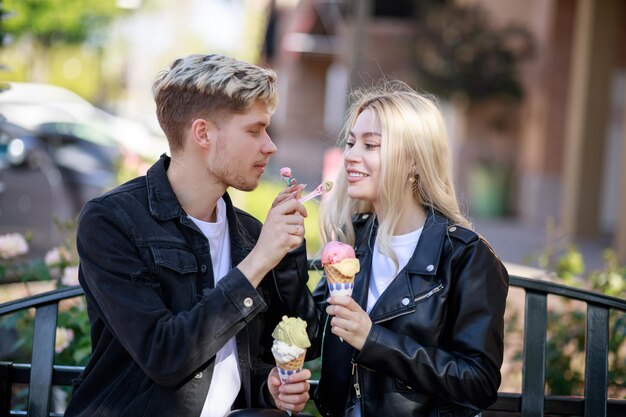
(565, 358)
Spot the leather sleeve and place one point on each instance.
(464, 368)
(320, 295)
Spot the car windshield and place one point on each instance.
(79, 130)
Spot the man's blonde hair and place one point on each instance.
(209, 86)
(414, 147)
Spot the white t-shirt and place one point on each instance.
(383, 268)
(226, 380)
(384, 271)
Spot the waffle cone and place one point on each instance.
(333, 276)
(294, 364)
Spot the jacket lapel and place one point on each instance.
(362, 279)
(416, 276)
(364, 242)
(241, 243)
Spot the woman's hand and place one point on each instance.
(293, 395)
(349, 321)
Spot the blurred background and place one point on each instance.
(533, 92)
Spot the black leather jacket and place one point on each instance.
(158, 319)
(436, 343)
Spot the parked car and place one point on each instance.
(54, 157)
(31, 105)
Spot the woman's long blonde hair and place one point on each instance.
(414, 146)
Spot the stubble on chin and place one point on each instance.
(242, 184)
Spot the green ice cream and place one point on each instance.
(292, 331)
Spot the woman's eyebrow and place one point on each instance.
(365, 134)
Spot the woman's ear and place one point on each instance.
(203, 132)
(413, 175)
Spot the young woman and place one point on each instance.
(422, 334)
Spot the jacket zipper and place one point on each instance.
(402, 313)
(429, 293)
(419, 298)
(357, 386)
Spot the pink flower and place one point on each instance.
(12, 244)
(53, 257)
(63, 339)
(70, 276)
(57, 256)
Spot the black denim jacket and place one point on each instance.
(157, 319)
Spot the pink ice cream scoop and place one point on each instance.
(335, 252)
(286, 175)
(340, 267)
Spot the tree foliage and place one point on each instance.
(59, 21)
(458, 50)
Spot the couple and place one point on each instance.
(184, 289)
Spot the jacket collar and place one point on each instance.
(399, 297)
(162, 201)
(164, 205)
(425, 259)
(428, 251)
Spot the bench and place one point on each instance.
(41, 374)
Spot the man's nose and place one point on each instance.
(268, 147)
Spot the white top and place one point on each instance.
(383, 268)
(226, 380)
(384, 271)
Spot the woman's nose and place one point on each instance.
(351, 154)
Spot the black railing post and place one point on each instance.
(5, 387)
(42, 361)
(534, 360)
(596, 366)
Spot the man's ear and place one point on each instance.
(203, 132)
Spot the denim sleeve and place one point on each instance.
(168, 347)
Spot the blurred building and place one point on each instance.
(557, 153)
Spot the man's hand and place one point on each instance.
(291, 191)
(283, 231)
(293, 395)
(350, 322)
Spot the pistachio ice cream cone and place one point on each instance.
(290, 344)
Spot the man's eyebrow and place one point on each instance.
(259, 123)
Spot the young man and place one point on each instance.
(183, 289)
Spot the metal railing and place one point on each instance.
(42, 374)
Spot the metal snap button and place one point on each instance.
(203, 268)
(198, 375)
(405, 301)
(247, 302)
(430, 268)
(365, 216)
(452, 228)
